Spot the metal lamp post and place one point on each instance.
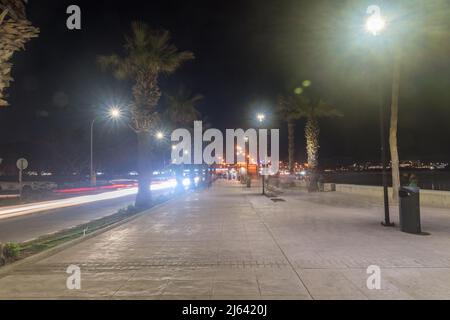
(375, 24)
(114, 113)
(261, 117)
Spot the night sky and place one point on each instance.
(247, 53)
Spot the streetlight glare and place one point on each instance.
(375, 24)
(159, 135)
(261, 117)
(115, 113)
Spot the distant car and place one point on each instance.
(27, 186)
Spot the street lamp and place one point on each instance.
(114, 113)
(159, 135)
(261, 117)
(375, 24)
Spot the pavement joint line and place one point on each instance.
(282, 251)
(123, 285)
(8, 269)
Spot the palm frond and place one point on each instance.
(121, 68)
(324, 110)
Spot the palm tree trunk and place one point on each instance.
(146, 96)
(312, 132)
(291, 150)
(144, 196)
(394, 128)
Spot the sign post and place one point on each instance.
(22, 164)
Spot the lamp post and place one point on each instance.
(375, 24)
(160, 136)
(261, 117)
(114, 113)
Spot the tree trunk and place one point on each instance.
(291, 150)
(312, 132)
(146, 96)
(394, 128)
(144, 196)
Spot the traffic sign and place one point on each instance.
(22, 164)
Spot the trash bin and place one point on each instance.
(410, 210)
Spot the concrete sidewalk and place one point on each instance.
(231, 243)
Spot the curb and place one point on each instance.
(6, 270)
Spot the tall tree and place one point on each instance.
(182, 111)
(15, 31)
(148, 55)
(295, 107)
(182, 107)
(291, 109)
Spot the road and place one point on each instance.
(31, 226)
(28, 222)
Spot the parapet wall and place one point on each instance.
(430, 198)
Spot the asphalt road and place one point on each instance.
(32, 226)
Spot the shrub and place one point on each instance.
(11, 251)
(130, 210)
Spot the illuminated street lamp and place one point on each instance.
(114, 113)
(261, 117)
(375, 24)
(159, 135)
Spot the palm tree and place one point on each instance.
(182, 107)
(148, 55)
(313, 112)
(15, 31)
(182, 111)
(291, 109)
(296, 107)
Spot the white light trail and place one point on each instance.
(19, 210)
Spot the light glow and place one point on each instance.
(20, 210)
(375, 24)
(186, 182)
(261, 117)
(115, 113)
